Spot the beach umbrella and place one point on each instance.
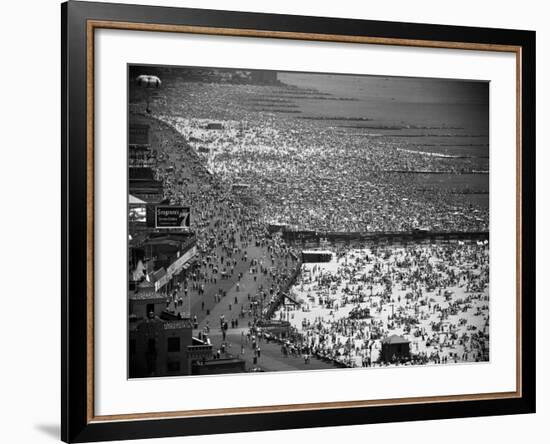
(149, 84)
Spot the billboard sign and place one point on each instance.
(170, 217)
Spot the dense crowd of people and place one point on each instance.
(310, 175)
(225, 229)
(433, 296)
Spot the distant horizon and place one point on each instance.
(472, 90)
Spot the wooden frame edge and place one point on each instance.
(519, 221)
(285, 408)
(337, 38)
(90, 128)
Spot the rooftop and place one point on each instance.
(133, 200)
(395, 339)
(145, 291)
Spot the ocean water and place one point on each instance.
(437, 113)
(441, 117)
(435, 103)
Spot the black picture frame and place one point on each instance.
(76, 423)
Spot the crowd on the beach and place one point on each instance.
(307, 174)
(433, 296)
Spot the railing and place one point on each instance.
(398, 236)
(198, 351)
(285, 288)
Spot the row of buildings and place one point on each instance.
(160, 341)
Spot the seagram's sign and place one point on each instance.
(172, 217)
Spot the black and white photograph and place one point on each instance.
(275, 222)
(289, 221)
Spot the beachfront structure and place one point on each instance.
(394, 349)
(316, 256)
(139, 148)
(148, 190)
(166, 256)
(157, 346)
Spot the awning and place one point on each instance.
(133, 200)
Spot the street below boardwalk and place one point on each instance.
(231, 283)
(271, 356)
